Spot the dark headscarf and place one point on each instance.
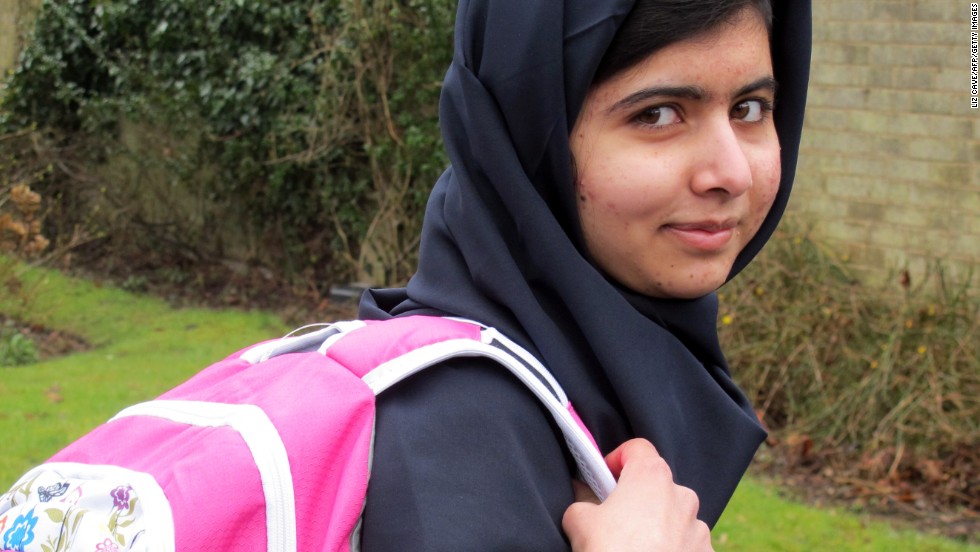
(501, 241)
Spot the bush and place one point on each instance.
(298, 136)
(21, 218)
(17, 350)
(20, 225)
(21, 215)
(886, 379)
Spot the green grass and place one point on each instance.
(758, 519)
(143, 347)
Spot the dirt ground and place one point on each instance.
(933, 503)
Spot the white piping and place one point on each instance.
(264, 443)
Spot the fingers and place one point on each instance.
(644, 473)
(646, 511)
(634, 448)
(581, 523)
(578, 523)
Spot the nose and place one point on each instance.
(723, 165)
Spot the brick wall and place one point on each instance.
(888, 171)
(15, 16)
(8, 34)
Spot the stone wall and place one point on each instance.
(888, 172)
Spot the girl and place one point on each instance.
(612, 164)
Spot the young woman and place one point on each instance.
(613, 163)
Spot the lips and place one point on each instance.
(706, 236)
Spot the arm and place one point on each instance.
(466, 459)
(647, 511)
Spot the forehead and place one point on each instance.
(737, 47)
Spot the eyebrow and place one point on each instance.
(689, 92)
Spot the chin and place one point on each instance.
(691, 280)
(693, 293)
(683, 288)
(675, 291)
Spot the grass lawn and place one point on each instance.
(758, 519)
(142, 347)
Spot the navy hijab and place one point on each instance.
(501, 242)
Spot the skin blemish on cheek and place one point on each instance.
(585, 194)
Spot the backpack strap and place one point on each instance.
(308, 342)
(384, 353)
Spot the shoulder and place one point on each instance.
(467, 407)
(465, 456)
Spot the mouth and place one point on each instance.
(706, 236)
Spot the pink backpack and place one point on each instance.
(269, 449)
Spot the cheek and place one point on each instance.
(601, 195)
(587, 200)
(766, 186)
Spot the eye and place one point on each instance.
(658, 116)
(751, 111)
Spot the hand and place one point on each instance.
(646, 511)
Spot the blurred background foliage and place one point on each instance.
(300, 137)
(874, 389)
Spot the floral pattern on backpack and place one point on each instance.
(43, 512)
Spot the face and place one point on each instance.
(677, 161)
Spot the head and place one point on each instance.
(675, 151)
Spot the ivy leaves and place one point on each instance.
(308, 120)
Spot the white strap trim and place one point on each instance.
(588, 458)
(157, 516)
(292, 343)
(490, 335)
(264, 443)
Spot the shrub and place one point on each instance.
(20, 226)
(21, 238)
(21, 216)
(16, 350)
(887, 379)
(299, 136)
